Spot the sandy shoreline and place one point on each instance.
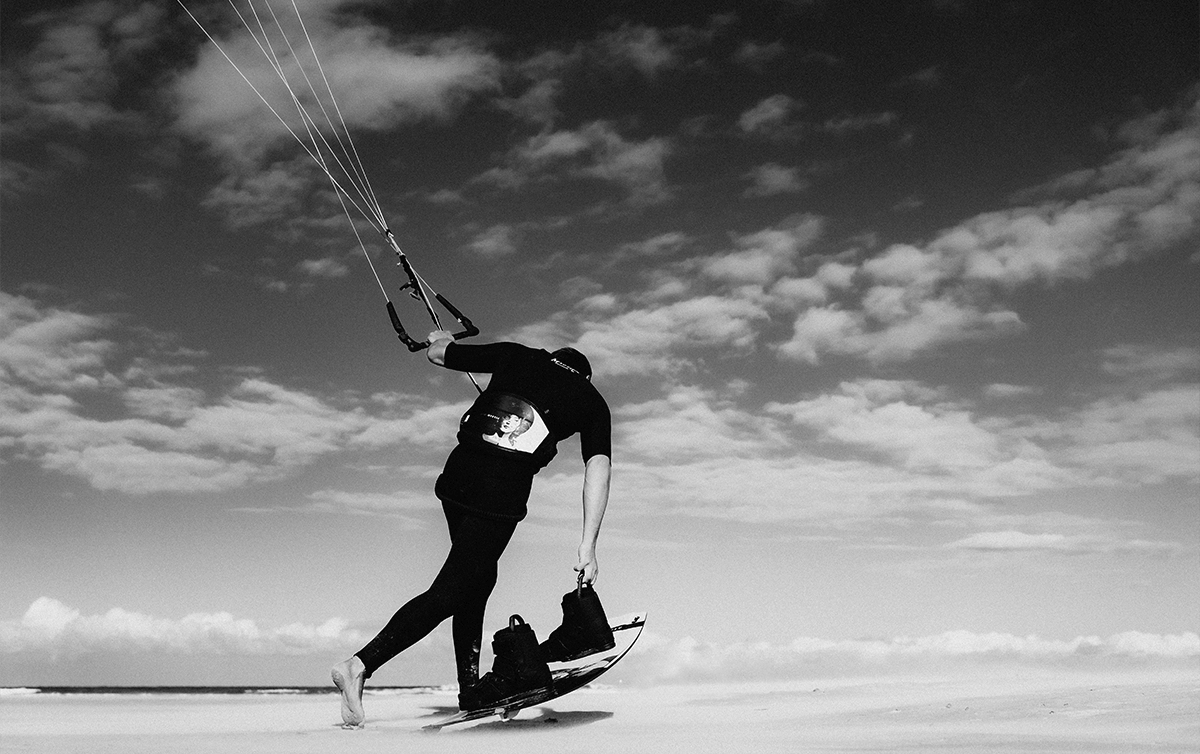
(1121, 714)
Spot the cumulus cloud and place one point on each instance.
(391, 506)
(596, 151)
(376, 81)
(52, 629)
(772, 117)
(326, 267)
(1152, 362)
(68, 78)
(272, 194)
(913, 299)
(691, 660)
(757, 56)
(367, 80)
(1073, 544)
(1003, 390)
(1141, 440)
(688, 423)
(642, 47)
(910, 300)
(902, 450)
(58, 349)
(163, 431)
(713, 302)
(771, 179)
(496, 241)
(926, 78)
(661, 245)
(905, 301)
(875, 415)
(70, 84)
(853, 123)
(657, 338)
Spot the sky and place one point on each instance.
(894, 304)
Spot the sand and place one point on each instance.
(1012, 715)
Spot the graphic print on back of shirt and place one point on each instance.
(507, 422)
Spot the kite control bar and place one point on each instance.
(415, 345)
(418, 286)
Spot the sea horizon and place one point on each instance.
(191, 690)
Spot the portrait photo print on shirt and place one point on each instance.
(506, 421)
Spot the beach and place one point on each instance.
(1118, 713)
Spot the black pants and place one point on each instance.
(460, 590)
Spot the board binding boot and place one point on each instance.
(519, 666)
(584, 630)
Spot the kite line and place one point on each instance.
(321, 120)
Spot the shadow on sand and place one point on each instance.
(534, 718)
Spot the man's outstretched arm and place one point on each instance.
(596, 475)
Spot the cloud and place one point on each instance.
(910, 299)
(57, 349)
(1117, 439)
(69, 79)
(875, 416)
(1018, 541)
(543, 84)
(376, 82)
(637, 49)
(661, 245)
(496, 241)
(854, 123)
(1152, 362)
(69, 85)
(159, 429)
(1141, 440)
(926, 78)
(596, 151)
(690, 423)
(1002, 390)
(757, 56)
(691, 660)
(893, 325)
(771, 179)
(255, 432)
(642, 47)
(901, 450)
(271, 195)
(390, 506)
(52, 629)
(326, 267)
(702, 303)
(655, 339)
(880, 304)
(771, 117)
(366, 81)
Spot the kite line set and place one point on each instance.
(325, 137)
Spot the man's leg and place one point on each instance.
(469, 571)
(468, 628)
(488, 539)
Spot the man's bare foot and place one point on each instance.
(349, 677)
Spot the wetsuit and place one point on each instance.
(507, 436)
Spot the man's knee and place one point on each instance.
(456, 594)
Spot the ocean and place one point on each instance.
(10, 691)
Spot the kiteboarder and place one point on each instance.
(534, 399)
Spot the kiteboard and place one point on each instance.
(565, 676)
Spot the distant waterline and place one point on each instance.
(210, 690)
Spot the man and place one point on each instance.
(534, 400)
